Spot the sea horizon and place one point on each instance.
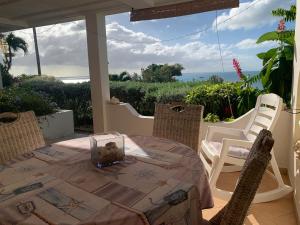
(196, 76)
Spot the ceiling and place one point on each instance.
(20, 14)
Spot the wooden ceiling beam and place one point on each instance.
(4, 21)
(137, 4)
(181, 9)
(8, 2)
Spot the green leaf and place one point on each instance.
(270, 36)
(288, 37)
(289, 52)
(268, 54)
(266, 71)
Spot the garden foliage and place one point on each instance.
(143, 96)
(21, 100)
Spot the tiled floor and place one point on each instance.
(279, 212)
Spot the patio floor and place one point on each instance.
(278, 212)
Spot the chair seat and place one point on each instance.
(234, 151)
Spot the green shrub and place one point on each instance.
(22, 100)
(215, 79)
(212, 118)
(219, 99)
(229, 119)
(76, 97)
(142, 96)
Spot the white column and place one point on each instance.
(294, 166)
(296, 78)
(98, 67)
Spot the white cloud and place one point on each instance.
(133, 50)
(252, 14)
(64, 52)
(251, 44)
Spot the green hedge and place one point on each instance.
(21, 100)
(76, 97)
(221, 99)
(143, 96)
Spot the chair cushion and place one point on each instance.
(236, 152)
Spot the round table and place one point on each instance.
(160, 181)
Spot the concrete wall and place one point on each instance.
(57, 125)
(124, 119)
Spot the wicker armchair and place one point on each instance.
(235, 211)
(20, 136)
(178, 122)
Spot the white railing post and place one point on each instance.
(98, 68)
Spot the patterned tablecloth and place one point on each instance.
(160, 183)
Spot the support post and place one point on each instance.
(98, 68)
(294, 164)
(37, 53)
(296, 80)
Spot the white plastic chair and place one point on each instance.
(229, 155)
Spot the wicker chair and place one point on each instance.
(21, 136)
(235, 211)
(178, 122)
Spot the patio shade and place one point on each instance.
(181, 9)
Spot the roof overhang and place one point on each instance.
(181, 9)
(21, 14)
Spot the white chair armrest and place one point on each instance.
(211, 130)
(226, 143)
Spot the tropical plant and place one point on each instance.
(13, 45)
(246, 93)
(276, 74)
(288, 15)
(161, 73)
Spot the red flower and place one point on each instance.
(237, 68)
(281, 26)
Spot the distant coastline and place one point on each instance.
(227, 76)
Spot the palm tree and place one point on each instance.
(9, 44)
(14, 44)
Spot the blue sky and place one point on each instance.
(132, 46)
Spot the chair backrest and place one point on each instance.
(234, 213)
(21, 136)
(179, 122)
(266, 114)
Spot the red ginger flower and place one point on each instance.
(237, 68)
(281, 26)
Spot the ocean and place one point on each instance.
(227, 76)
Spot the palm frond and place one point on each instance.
(288, 15)
(16, 43)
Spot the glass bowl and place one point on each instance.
(107, 149)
